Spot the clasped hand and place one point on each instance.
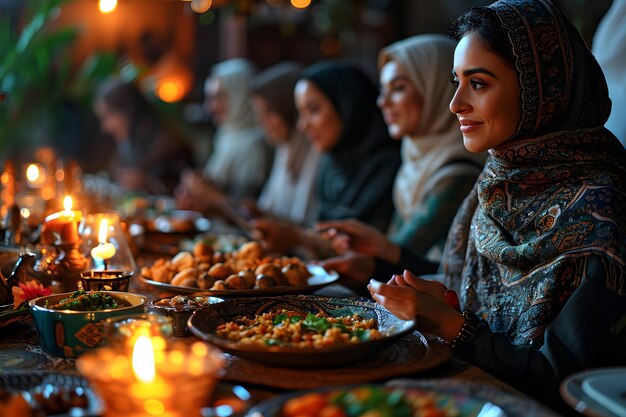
(407, 296)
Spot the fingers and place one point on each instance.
(345, 226)
(430, 287)
(401, 304)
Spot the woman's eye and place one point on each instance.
(454, 81)
(477, 85)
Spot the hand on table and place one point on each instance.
(407, 296)
(355, 266)
(194, 192)
(360, 237)
(277, 236)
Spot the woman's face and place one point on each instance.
(215, 100)
(487, 97)
(276, 129)
(113, 123)
(317, 118)
(399, 101)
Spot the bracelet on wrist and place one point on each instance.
(466, 332)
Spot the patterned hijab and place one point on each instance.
(549, 197)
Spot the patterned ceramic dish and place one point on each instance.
(180, 308)
(203, 324)
(68, 333)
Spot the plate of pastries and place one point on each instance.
(246, 271)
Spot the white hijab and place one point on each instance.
(428, 61)
(609, 48)
(233, 163)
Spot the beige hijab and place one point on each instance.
(241, 159)
(428, 61)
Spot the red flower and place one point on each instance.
(27, 291)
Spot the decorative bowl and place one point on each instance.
(69, 333)
(204, 323)
(181, 307)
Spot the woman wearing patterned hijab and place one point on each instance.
(538, 248)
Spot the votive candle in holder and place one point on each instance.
(156, 380)
(62, 225)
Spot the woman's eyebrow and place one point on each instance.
(478, 70)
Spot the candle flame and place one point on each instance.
(143, 359)
(67, 203)
(102, 232)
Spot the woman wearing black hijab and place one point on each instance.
(337, 112)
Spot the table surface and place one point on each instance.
(20, 352)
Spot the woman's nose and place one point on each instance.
(458, 104)
(380, 101)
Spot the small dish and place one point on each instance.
(180, 308)
(45, 393)
(69, 333)
(597, 392)
(204, 323)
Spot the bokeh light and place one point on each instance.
(300, 4)
(201, 6)
(107, 6)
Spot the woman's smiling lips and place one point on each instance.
(468, 126)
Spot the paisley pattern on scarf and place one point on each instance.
(545, 202)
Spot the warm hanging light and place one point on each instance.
(201, 6)
(107, 6)
(170, 91)
(300, 4)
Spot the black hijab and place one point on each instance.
(357, 175)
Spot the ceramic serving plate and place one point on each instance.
(203, 324)
(319, 278)
(379, 400)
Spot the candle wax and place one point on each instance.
(103, 251)
(64, 224)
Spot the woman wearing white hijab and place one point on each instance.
(437, 172)
(289, 192)
(241, 160)
(609, 48)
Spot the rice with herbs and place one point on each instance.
(300, 330)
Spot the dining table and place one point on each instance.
(24, 362)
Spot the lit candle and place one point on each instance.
(105, 250)
(62, 225)
(149, 388)
(155, 379)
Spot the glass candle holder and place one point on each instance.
(110, 280)
(104, 243)
(121, 332)
(184, 377)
